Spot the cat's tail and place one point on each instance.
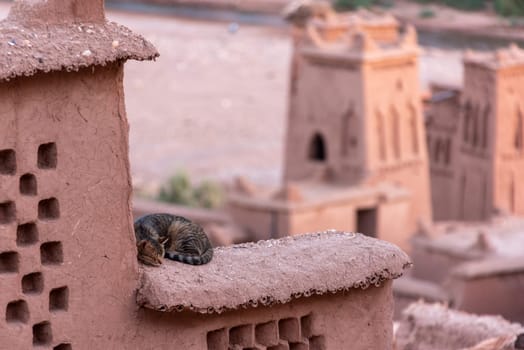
(191, 259)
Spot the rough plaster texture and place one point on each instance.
(273, 271)
(83, 114)
(26, 50)
(354, 319)
(434, 326)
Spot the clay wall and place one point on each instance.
(489, 287)
(509, 157)
(65, 221)
(313, 323)
(442, 142)
(323, 134)
(474, 182)
(395, 132)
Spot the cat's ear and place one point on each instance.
(142, 244)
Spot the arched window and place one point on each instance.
(414, 129)
(467, 123)
(518, 132)
(381, 137)
(485, 130)
(439, 149)
(347, 127)
(317, 148)
(395, 126)
(447, 157)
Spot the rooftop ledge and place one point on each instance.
(26, 50)
(273, 271)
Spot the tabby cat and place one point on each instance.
(173, 237)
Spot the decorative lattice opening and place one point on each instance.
(267, 333)
(51, 253)
(242, 335)
(289, 329)
(17, 311)
(47, 156)
(7, 212)
(33, 283)
(63, 346)
(285, 334)
(306, 326)
(26, 234)
(48, 209)
(317, 343)
(7, 162)
(42, 334)
(9, 262)
(28, 185)
(59, 299)
(218, 340)
(299, 346)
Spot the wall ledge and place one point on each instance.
(26, 51)
(272, 271)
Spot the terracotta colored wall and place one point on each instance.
(395, 131)
(474, 184)
(359, 319)
(335, 113)
(67, 252)
(509, 159)
(443, 147)
(492, 295)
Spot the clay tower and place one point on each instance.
(491, 135)
(67, 248)
(355, 113)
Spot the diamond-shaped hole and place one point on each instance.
(28, 185)
(7, 162)
(48, 209)
(63, 346)
(17, 311)
(47, 156)
(51, 253)
(33, 283)
(42, 334)
(59, 299)
(7, 212)
(9, 262)
(26, 234)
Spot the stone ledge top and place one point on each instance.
(27, 50)
(273, 271)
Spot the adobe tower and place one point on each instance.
(490, 136)
(355, 156)
(355, 114)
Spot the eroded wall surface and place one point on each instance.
(67, 254)
(359, 319)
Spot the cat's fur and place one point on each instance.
(173, 237)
